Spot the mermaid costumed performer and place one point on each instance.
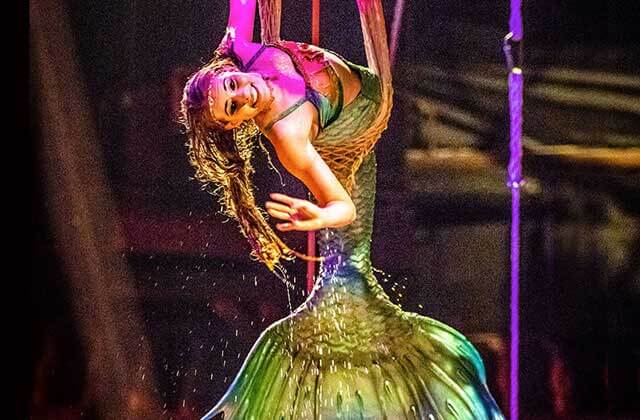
(348, 352)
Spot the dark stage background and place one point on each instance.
(144, 302)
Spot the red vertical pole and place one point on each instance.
(311, 265)
(311, 236)
(315, 22)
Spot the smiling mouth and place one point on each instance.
(254, 95)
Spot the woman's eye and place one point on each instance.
(233, 107)
(232, 84)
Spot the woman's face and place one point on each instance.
(235, 97)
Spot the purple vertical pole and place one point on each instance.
(395, 29)
(515, 81)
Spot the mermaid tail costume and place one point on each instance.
(348, 352)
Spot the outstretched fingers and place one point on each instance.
(299, 214)
(284, 199)
(279, 211)
(303, 225)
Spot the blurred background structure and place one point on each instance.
(144, 302)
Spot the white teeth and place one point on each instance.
(254, 95)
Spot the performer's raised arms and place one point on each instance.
(241, 18)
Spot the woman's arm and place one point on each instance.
(242, 14)
(297, 154)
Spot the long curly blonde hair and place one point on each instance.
(222, 162)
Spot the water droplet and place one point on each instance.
(387, 386)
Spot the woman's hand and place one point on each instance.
(304, 215)
(299, 214)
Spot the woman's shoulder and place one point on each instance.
(300, 123)
(240, 49)
(314, 58)
(309, 54)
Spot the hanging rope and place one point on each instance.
(311, 235)
(513, 53)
